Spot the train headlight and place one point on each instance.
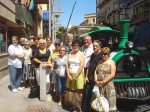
(129, 44)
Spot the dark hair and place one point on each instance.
(76, 41)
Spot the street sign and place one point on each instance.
(45, 14)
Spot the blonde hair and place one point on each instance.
(106, 50)
(42, 41)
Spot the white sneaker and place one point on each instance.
(20, 88)
(14, 90)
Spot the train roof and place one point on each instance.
(98, 29)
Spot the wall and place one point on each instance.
(3, 65)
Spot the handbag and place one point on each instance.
(100, 104)
(72, 98)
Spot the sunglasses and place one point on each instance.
(57, 44)
(42, 43)
(26, 44)
(104, 54)
(76, 45)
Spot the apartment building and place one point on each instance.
(110, 11)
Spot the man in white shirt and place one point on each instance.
(87, 49)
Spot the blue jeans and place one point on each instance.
(61, 83)
(15, 76)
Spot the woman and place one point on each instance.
(27, 68)
(104, 74)
(75, 70)
(51, 59)
(60, 68)
(41, 56)
(15, 60)
(49, 44)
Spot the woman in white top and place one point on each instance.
(27, 68)
(15, 60)
(75, 68)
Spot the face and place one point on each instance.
(48, 42)
(62, 51)
(15, 41)
(27, 45)
(57, 46)
(41, 45)
(75, 47)
(69, 38)
(87, 41)
(22, 40)
(105, 56)
(96, 47)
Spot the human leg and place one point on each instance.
(12, 73)
(18, 77)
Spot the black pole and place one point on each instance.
(70, 16)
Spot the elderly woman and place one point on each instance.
(60, 68)
(75, 68)
(41, 56)
(104, 74)
(15, 60)
(27, 68)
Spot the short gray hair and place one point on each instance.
(87, 36)
(70, 34)
(97, 41)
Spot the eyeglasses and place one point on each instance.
(75, 45)
(26, 44)
(62, 50)
(42, 43)
(57, 44)
(104, 54)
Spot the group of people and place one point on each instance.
(70, 66)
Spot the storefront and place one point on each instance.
(5, 41)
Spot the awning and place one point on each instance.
(97, 29)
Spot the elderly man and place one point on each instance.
(87, 49)
(69, 41)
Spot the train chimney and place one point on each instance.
(124, 28)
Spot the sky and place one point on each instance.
(81, 8)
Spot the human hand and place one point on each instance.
(70, 78)
(86, 79)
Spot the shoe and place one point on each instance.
(14, 90)
(20, 88)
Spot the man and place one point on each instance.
(95, 57)
(69, 40)
(87, 49)
(22, 41)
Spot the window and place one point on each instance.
(93, 20)
(2, 40)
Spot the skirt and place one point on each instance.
(78, 84)
(27, 72)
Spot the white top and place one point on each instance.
(27, 53)
(74, 64)
(51, 48)
(87, 54)
(12, 60)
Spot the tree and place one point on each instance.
(61, 33)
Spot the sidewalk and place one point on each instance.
(19, 102)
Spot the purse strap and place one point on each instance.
(102, 92)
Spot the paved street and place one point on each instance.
(19, 102)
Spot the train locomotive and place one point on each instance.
(132, 79)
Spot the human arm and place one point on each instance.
(67, 69)
(111, 76)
